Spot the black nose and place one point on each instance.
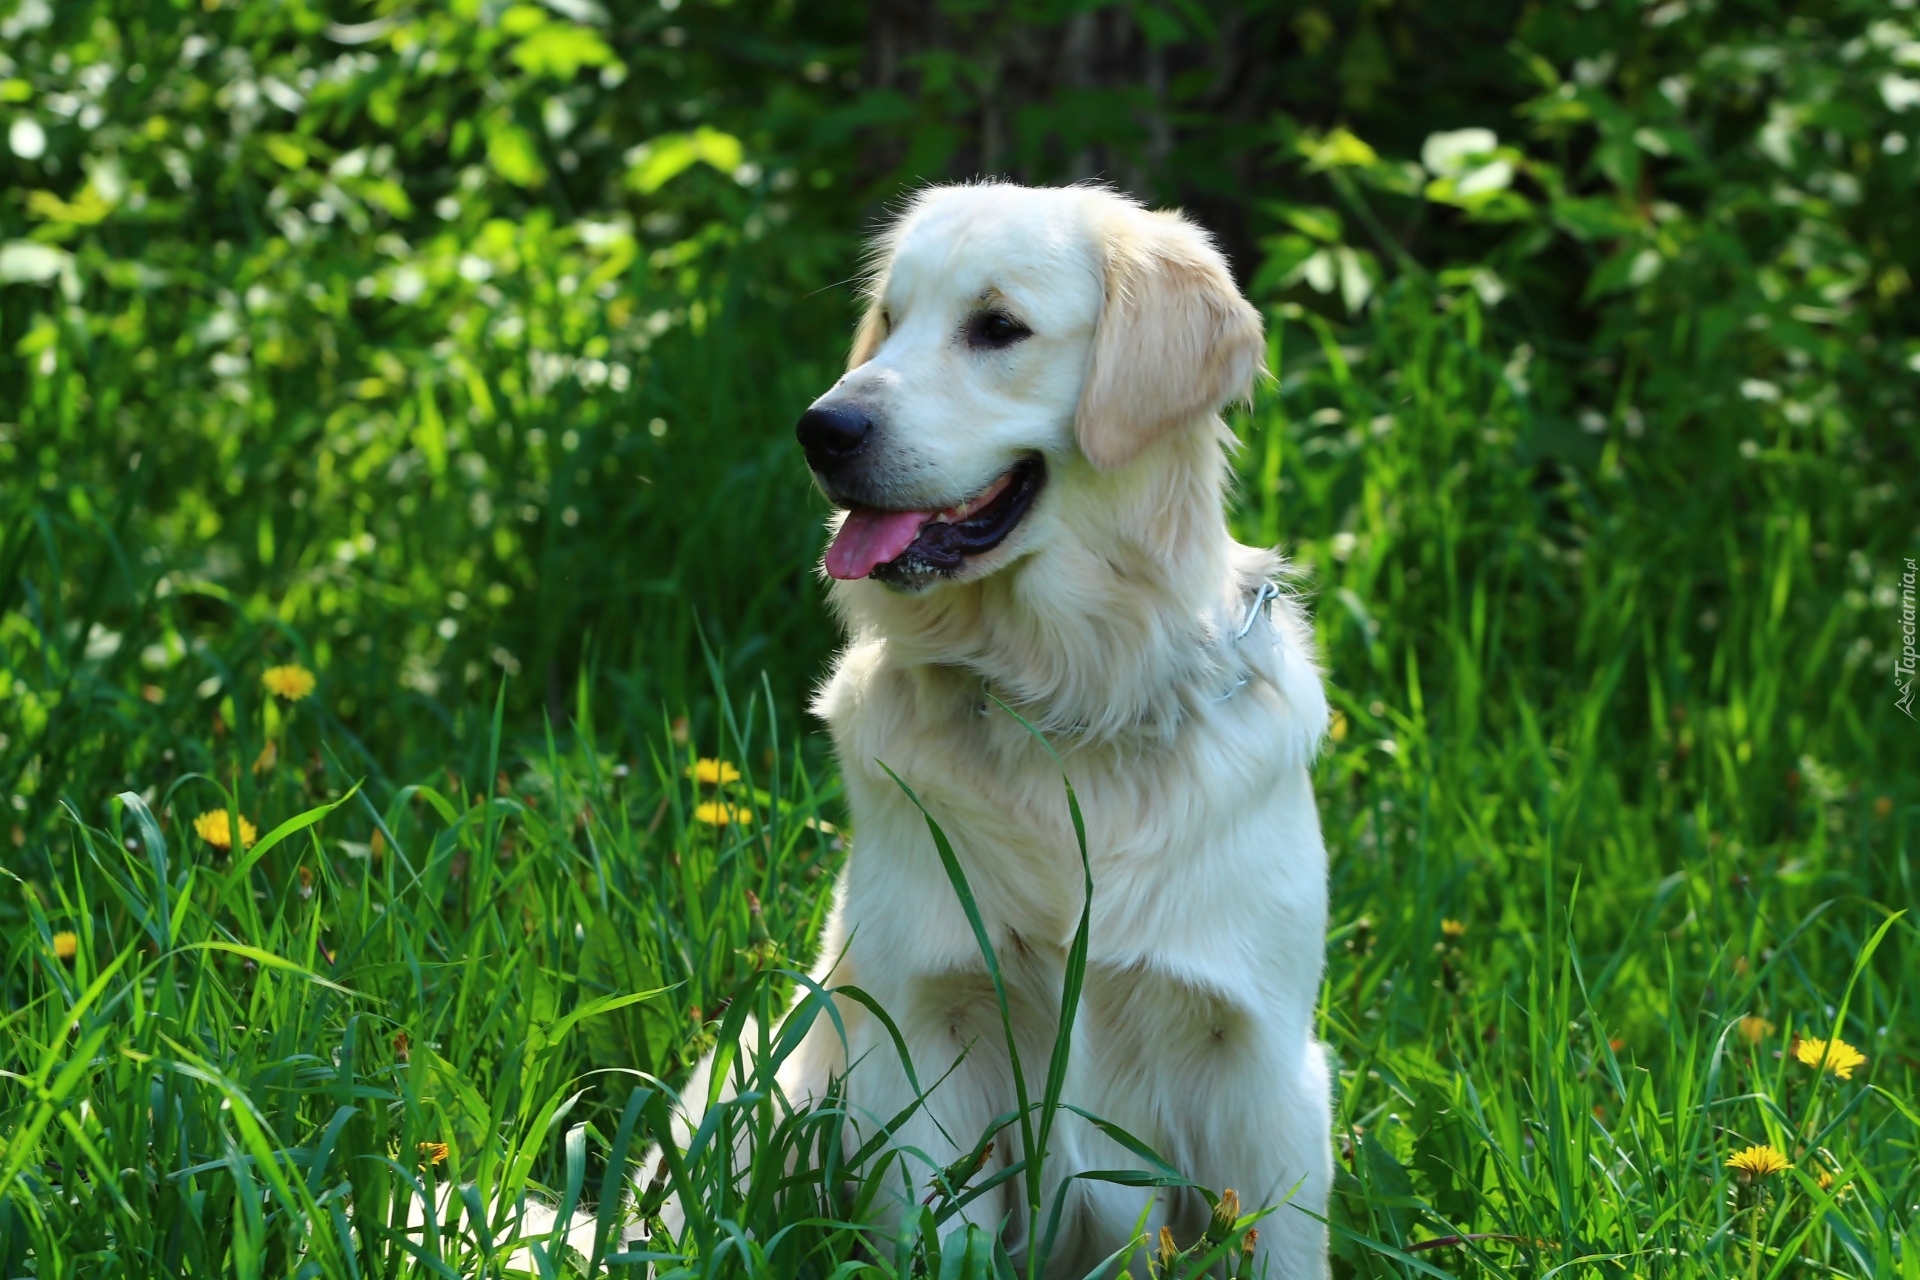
(832, 434)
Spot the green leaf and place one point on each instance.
(639, 1033)
(1396, 177)
(285, 150)
(1286, 258)
(385, 194)
(1595, 218)
(1337, 149)
(1317, 221)
(268, 960)
(559, 50)
(514, 156)
(522, 19)
(656, 163)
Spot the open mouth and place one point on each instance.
(906, 548)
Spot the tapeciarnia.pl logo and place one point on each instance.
(1903, 667)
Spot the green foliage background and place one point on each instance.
(437, 346)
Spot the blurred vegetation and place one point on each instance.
(441, 348)
(437, 343)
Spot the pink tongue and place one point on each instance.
(870, 538)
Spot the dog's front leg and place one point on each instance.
(1229, 1089)
(956, 1038)
(1267, 1136)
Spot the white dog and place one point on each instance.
(1030, 466)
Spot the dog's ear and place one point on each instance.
(1175, 340)
(868, 335)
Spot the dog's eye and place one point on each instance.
(993, 330)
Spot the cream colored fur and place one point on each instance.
(1108, 620)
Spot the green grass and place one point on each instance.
(1616, 717)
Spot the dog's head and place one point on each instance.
(1019, 341)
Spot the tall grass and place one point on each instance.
(142, 571)
(1620, 810)
(388, 1056)
(1616, 818)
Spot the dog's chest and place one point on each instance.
(1167, 823)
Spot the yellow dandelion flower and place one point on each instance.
(1453, 930)
(66, 945)
(1825, 1180)
(1839, 1057)
(214, 829)
(1168, 1249)
(433, 1152)
(709, 773)
(291, 681)
(1337, 730)
(1757, 1162)
(715, 814)
(1226, 1212)
(1754, 1028)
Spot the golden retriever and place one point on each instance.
(1029, 468)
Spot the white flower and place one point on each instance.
(1898, 92)
(26, 139)
(407, 285)
(29, 260)
(1448, 155)
(1494, 176)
